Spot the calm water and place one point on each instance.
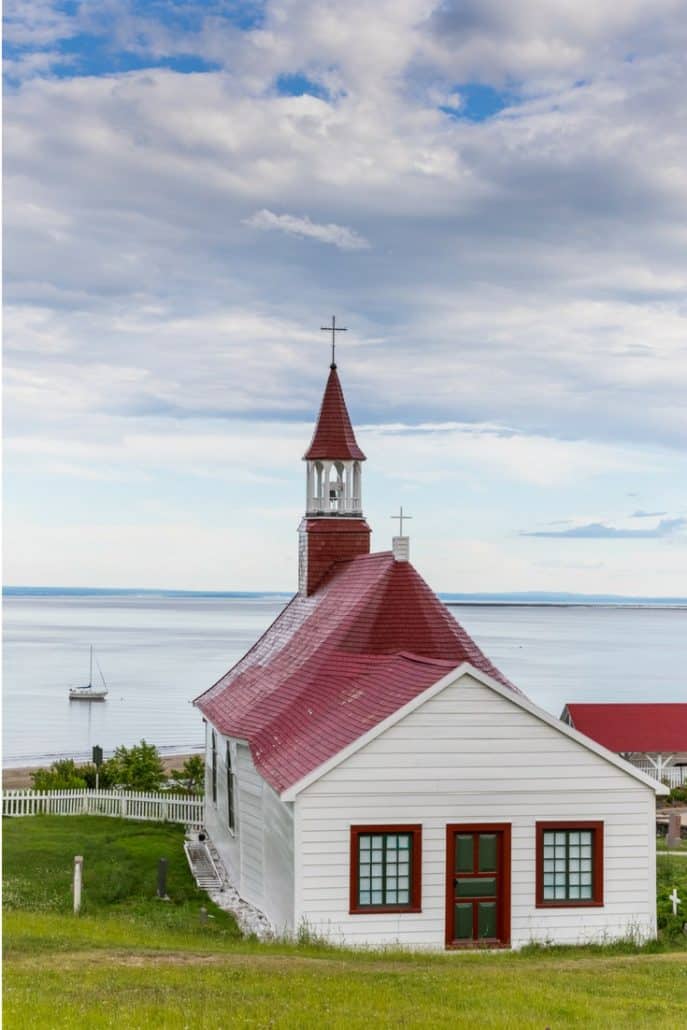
(157, 653)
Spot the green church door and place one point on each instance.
(478, 885)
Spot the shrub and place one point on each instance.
(105, 776)
(62, 775)
(671, 872)
(138, 767)
(191, 776)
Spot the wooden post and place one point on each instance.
(78, 878)
(162, 878)
(674, 830)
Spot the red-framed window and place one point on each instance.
(213, 742)
(570, 864)
(231, 811)
(386, 869)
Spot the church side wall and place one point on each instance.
(470, 756)
(258, 855)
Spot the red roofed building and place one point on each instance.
(372, 775)
(653, 736)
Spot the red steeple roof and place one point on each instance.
(333, 665)
(333, 436)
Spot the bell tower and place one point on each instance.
(333, 528)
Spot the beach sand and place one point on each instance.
(13, 779)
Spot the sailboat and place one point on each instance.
(89, 693)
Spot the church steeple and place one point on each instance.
(334, 477)
(333, 528)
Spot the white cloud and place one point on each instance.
(338, 235)
(526, 272)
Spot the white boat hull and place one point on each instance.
(88, 692)
(84, 694)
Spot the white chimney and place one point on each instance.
(400, 546)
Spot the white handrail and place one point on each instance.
(672, 775)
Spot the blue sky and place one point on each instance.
(192, 189)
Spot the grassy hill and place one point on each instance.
(131, 961)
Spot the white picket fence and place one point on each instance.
(672, 775)
(164, 808)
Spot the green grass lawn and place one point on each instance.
(132, 961)
(662, 846)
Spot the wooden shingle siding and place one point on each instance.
(469, 755)
(258, 856)
(251, 822)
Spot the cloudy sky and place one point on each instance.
(491, 196)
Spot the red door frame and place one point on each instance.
(505, 892)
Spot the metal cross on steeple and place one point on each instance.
(400, 518)
(333, 329)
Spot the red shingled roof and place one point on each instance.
(633, 727)
(336, 663)
(334, 436)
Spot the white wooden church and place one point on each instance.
(373, 777)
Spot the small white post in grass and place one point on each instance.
(78, 879)
(675, 900)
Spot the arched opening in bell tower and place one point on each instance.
(336, 487)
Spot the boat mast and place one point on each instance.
(90, 673)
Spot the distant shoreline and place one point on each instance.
(488, 599)
(16, 777)
(170, 753)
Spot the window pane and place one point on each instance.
(486, 918)
(463, 921)
(566, 868)
(464, 852)
(384, 869)
(487, 852)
